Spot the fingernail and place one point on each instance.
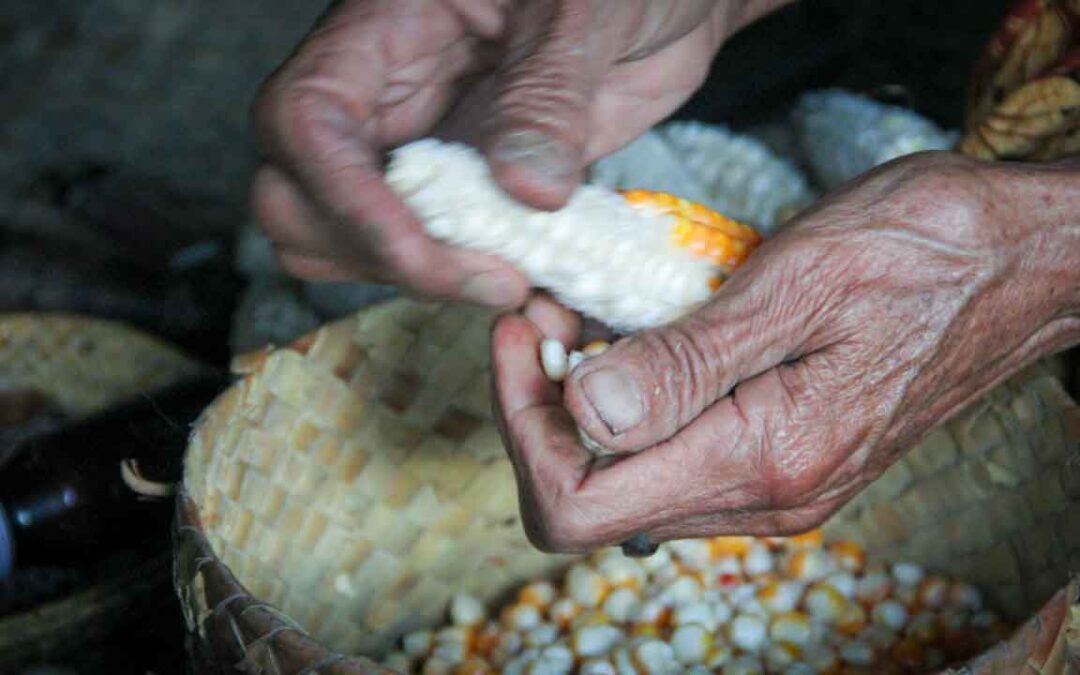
(615, 397)
(492, 289)
(536, 152)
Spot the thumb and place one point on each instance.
(647, 387)
(535, 140)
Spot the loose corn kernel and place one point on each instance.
(436, 665)
(521, 617)
(780, 655)
(554, 359)
(891, 614)
(621, 604)
(539, 594)
(748, 632)
(758, 560)
(780, 596)
(809, 564)
(398, 661)
(542, 636)
(873, 588)
(692, 643)
(466, 610)
(907, 574)
(586, 586)
(735, 546)
(791, 627)
(852, 619)
(849, 556)
(597, 667)
(825, 603)
(595, 640)
(563, 612)
(653, 657)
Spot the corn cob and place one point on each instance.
(844, 135)
(735, 174)
(633, 260)
(710, 606)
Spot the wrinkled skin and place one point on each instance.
(542, 87)
(843, 340)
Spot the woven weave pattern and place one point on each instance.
(356, 481)
(83, 364)
(992, 497)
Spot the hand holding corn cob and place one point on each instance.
(552, 86)
(865, 323)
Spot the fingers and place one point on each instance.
(647, 387)
(369, 73)
(536, 138)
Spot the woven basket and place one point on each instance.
(84, 365)
(340, 492)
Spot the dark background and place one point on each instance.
(123, 125)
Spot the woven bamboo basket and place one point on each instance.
(341, 491)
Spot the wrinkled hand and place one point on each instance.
(839, 344)
(542, 86)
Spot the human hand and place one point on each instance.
(544, 87)
(881, 312)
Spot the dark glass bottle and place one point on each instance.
(100, 485)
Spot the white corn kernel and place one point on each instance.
(873, 587)
(844, 582)
(718, 656)
(586, 586)
(758, 560)
(692, 643)
(699, 612)
(655, 657)
(744, 665)
(857, 653)
(694, 553)
(450, 651)
(522, 617)
(791, 627)
(964, 596)
(555, 660)
(466, 610)
(683, 590)
(825, 603)
(563, 611)
(780, 596)
(620, 571)
(890, 614)
(506, 646)
(597, 667)
(907, 574)
(657, 561)
(539, 594)
(809, 564)
(554, 359)
(595, 640)
(418, 643)
(621, 604)
(624, 661)
(748, 632)
(542, 636)
(780, 655)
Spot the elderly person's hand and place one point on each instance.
(879, 313)
(544, 87)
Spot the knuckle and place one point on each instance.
(685, 364)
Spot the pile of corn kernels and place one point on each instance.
(731, 605)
